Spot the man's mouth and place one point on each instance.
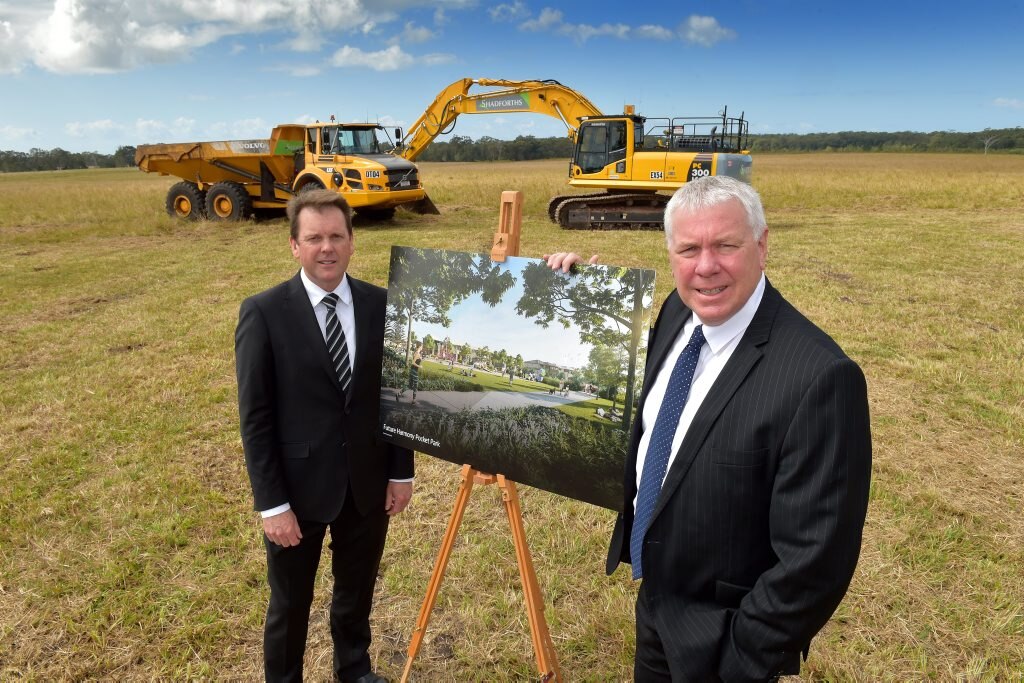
(327, 262)
(711, 292)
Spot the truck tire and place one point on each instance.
(376, 214)
(312, 184)
(228, 201)
(186, 200)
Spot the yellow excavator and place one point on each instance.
(632, 160)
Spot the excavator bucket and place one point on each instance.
(424, 205)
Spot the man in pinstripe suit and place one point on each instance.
(754, 526)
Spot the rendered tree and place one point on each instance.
(605, 369)
(606, 304)
(426, 283)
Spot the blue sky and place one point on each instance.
(505, 329)
(91, 75)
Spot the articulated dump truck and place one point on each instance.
(228, 180)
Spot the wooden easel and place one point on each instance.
(506, 243)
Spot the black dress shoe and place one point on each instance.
(366, 678)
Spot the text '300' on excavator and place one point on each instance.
(629, 163)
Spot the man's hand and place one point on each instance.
(397, 498)
(565, 260)
(282, 529)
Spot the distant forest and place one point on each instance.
(524, 148)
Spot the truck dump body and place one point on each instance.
(212, 162)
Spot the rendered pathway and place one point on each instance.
(452, 401)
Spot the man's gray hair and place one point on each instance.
(710, 191)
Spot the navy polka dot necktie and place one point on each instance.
(660, 446)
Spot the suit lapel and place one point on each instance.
(304, 320)
(742, 361)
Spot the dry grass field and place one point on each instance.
(129, 549)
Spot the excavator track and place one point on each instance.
(555, 201)
(607, 211)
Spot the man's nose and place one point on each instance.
(707, 263)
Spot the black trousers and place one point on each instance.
(357, 543)
(650, 664)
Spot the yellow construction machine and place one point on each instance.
(227, 180)
(633, 160)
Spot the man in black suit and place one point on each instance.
(746, 485)
(308, 355)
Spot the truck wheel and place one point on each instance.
(228, 201)
(186, 200)
(377, 214)
(311, 185)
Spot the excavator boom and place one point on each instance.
(540, 97)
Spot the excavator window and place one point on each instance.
(601, 143)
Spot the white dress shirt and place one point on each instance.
(720, 342)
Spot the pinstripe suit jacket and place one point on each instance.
(757, 529)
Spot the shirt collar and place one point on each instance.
(718, 336)
(316, 293)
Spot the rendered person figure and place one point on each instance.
(414, 372)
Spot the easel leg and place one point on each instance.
(544, 650)
(439, 568)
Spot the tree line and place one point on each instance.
(58, 159)
(989, 140)
(528, 147)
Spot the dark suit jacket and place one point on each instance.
(757, 529)
(303, 444)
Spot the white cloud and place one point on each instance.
(549, 18)
(11, 49)
(653, 32)
(298, 70)
(103, 36)
(584, 32)
(391, 59)
(17, 135)
(383, 60)
(88, 129)
(413, 34)
(440, 18)
(509, 12)
(1009, 102)
(704, 31)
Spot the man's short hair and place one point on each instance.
(714, 190)
(318, 200)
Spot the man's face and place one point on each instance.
(324, 245)
(715, 260)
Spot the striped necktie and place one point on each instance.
(660, 447)
(337, 347)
